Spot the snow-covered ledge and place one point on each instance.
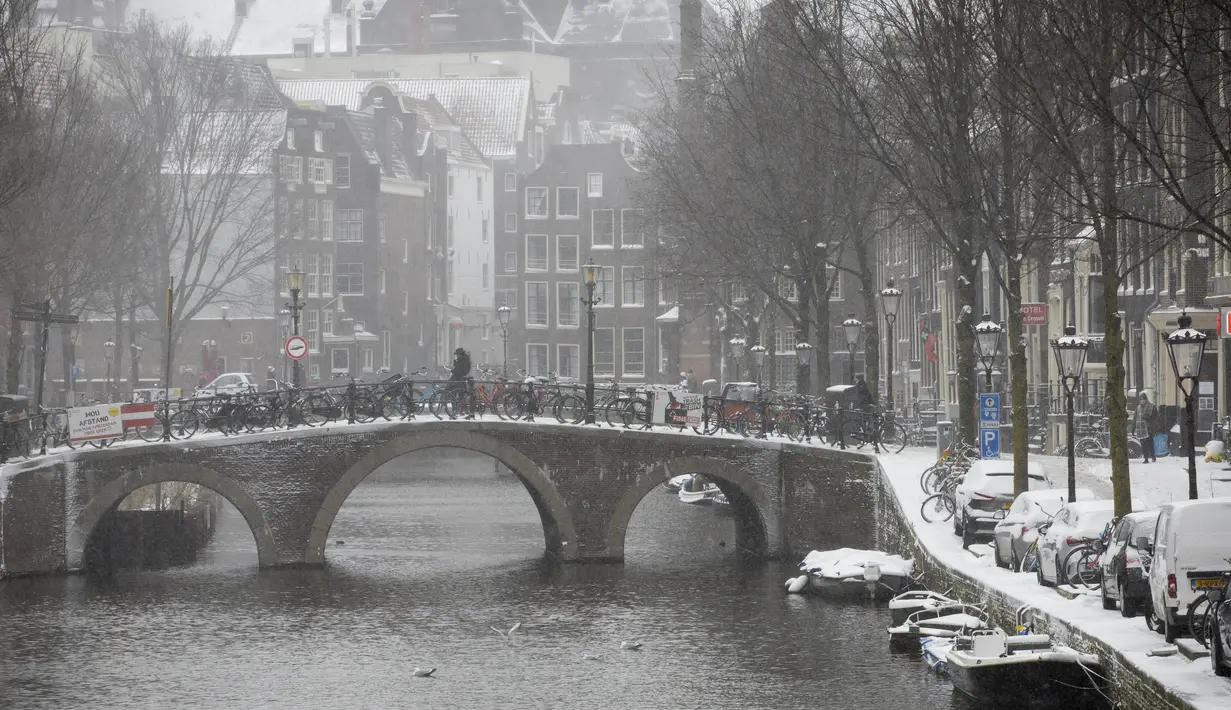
(1138, 680)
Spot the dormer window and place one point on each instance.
(290, 139)
(301, 47)
(318, 140)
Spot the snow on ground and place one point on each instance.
(1153, 483)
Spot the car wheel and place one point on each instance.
(1128, 607)
(996, 555)
(1108, 604)
(1169, 631)
(968, 538)
(1038, 570)
(1015, 565)
(1152, 618)
(1217, 661)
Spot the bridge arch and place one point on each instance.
(559, 532)
(752, 506)
(111, 495)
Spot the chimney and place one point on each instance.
(690, 35)
(419, 28)
(241, 8)
(367, 23)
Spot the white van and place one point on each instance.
(1192, 547)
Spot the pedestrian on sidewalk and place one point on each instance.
(1146, 423)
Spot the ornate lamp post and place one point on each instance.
(294, 284)
(803, 356)
(987, 339)
(758, 357)
(284, 320)
(852, 327)
(589, 276)
(1070, 353)
(503, 314)
(109, 356)
(738, 347)
(890, 298)
(1186, 346)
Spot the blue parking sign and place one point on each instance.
(989, 410)
(989, 443)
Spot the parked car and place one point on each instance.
(1220, 632)
(1074, 524)
(985, 491)
(228, 383)
(1013, 535)
(1124, 578)
(1191, 550)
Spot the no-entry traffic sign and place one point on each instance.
(296, 347)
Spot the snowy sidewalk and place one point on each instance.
(1153, 483)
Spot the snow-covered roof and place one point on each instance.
(590, 22)
(671, 316)
(491, 111)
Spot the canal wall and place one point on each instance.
(1132, 688)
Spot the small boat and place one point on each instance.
(848, 570)
(1025, 671)
(907, 603)
(672, 485)
(935, 653)
(949, 621)
(694, 494)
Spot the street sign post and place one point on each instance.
(989, 443)
(989, 425)
(296, 347)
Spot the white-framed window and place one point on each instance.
(537, 355)
(833, 276)
(604, 351)
(536, 304)
(310, 272)
(536, 252)
(320, 170)
(386, 350)
(604, 286)
(318, 141)
(449, 185)
(633, 351)
(314, 372)
(326, 274)
(510, 262)
(311, 325)
(739, 293)
(349, 279)
(485, 226)
(295, 217)
(486, 283)
(290, 169)
(568, 360)
(788, 289)
(281, 217)
(510, 181)
(349, 226)
(327, 322)
(566, 252)
(568, 202)
(290, 139)
(341, 171)
(536, 203)
(602, 229)
(339, 361)
(479, 189)
(632, 228)
(384, 281)
(568, 304)
(312, 209)
(368, 360)
(594, 185)
(633, 285)
(380, 228)
(327, 220)
(784, 341)
(431, 288)
(487, 327)
(510, 221)
(406, 299)
(449, 231)
(405, 251)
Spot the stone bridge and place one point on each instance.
(585, 481)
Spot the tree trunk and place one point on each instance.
(67, 358)
(1020, 412)
(803, 373)
(871, 322)
(821, 374)
(136, 363)
(12, 364)
(967, 387)
(113, 385)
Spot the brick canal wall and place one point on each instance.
(1131, 687)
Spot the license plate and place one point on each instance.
(1208, 583)
(1008, 505)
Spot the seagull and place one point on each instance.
(507, 636)
(423, 672)
(630, 645)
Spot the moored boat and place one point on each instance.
(948, 621)
(859, 572)
(672, 485)
(694, 492)
(1026, 671)
(907, 603)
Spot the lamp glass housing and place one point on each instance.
(758, 354)
(803, 353)
(851, 328)
(890, 298)
(503, 314)
(738, 346)
(589, 273)
(294, 280)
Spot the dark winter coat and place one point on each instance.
(461, 366)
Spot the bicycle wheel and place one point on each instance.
(1199, 620)
(749, 423)
(153, 431)
(937, 507)
(363, 409)
(931, 478)
(184, 423)
(320, 409)
(636, 413)
(1030, 560)
(570, 409)
(790, 423)
(709, 420)
(893, 437)
(612, 411)
(1081, 569)
(254, 417)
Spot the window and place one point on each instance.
(784, 341)
(290, 169)
(487, 327)
(567, 202)
(290, 139)
(326, 274)
(510, 221)
(479, 189)
(788, 289)
(634, 352)
(602, 228)
(310, 274)
(339, 361)
(386, 350)
(568, 360)
(594, 185)
(350, 279)
(368, 360)
(485, 220)
(510, 261)
(536, 358)
(405, 251)
(568, 304)
(604, 289)
(834, 279)
(314, 372)
(318, 141)
(280, 218)
(311, 324)
(536, 252)
(510, 182)
(383, 282)
(327, 220)
(536, 303)
(341, 171)
(536, 203)
(604, 351)
(449, 232)
(320, 170)
(633, 278)
(566, 252)
(327, 322)
(295, 218)
(406, 300)
(313, 222)
(350, 226)
(380, 226)
(485, 277)
(632, 222)
(739, 293)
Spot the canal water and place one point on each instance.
(423, 557)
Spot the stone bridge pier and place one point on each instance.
(585, 481)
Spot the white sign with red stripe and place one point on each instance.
(135, 415)
(102, 421)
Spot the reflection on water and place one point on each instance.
(435, 549)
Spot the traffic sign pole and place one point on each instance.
(989, 425)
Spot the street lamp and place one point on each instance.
(852, 327)
(1186, 346)
(589, 276)
(284, 320)
(1070, 353)
(109, 356)
(987, 339)
(294, 284)
(803, 356)
(890, 298)
(758, 356)
(503, 314)
(738, 347)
